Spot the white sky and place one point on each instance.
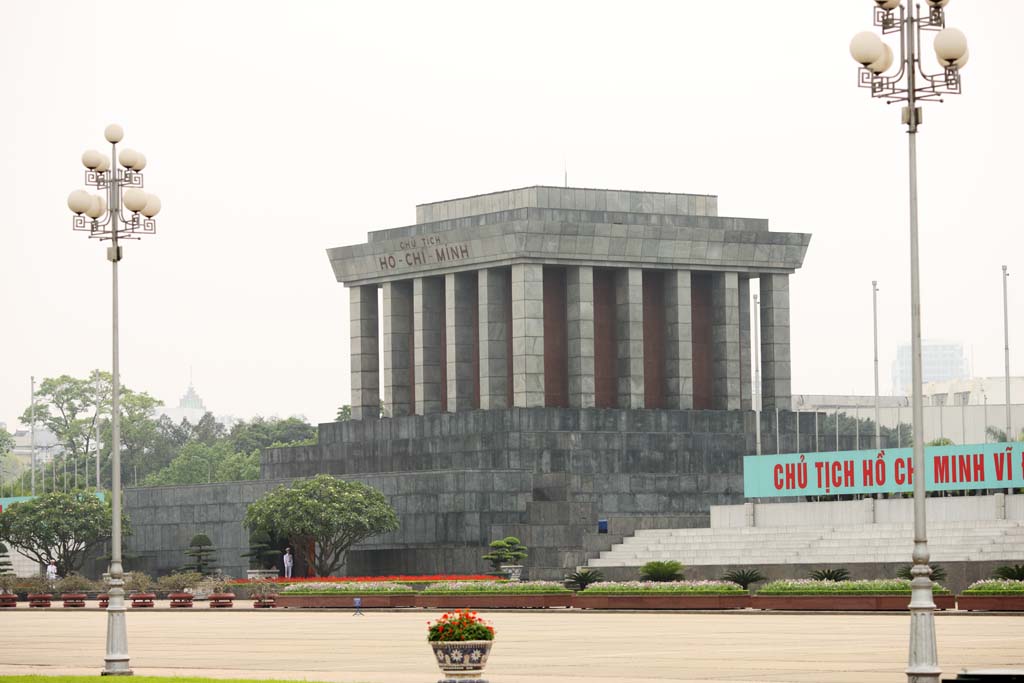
(276, 130)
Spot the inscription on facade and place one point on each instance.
(422, 251)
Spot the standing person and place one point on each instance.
(289, 562)
(51, 571)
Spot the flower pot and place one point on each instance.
(104, 599)
(264, 601)
(39, 599)
(73, 599)
(180, 599)
(222, 600)
(462, 660)
(514, 572)
(142, 599)
(8, 600)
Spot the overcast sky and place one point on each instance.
(274, 131)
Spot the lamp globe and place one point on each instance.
(883, 63)
(938, 3)
(97, 207)
(888, 4)
(134, 200)
(127, 157)
(950, 45)
(866, 48)
(91, 159)
(140, 161)
(104, 165)
(113, 133)
(79, 201)
(152, 206)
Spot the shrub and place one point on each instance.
(262, 588)
(459, 625)
(642, 587)
(938, 572)
(138, 582)
(837, 574)
(179, 582)
(5, 562)
(215, 583)
(744, 577)
(8, 582)
(508, 550)
(995, 587)
(1009, 572)
(33, 584)
(76, 583)
(502, 587)
(662, 570)
(828, 587)
(580, 579)
(262, 553)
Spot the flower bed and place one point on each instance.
(861, 595)
(663, 595)
(494, 594)
(397, 578)
(993, 595)
(342, 594)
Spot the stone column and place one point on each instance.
(428, 323)
(364, 347)
(678, 340)
(725, 335)
(776, 390)
(460, 292)
(528, 334)
(492, 301)
(746, 385)
(580, 315)
(629, 323)
(398, 348)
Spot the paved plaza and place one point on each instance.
(551, 646)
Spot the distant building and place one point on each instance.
(974, 391)
(47, 445)
(940, 362)
(190, 408)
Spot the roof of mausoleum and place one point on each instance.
(570, 226)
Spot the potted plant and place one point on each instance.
(219, 595)
(8, 598)
(505, 555)
(73, 589)
(263, 593)
(202, 551)
(461, 642)
(177, 586)
(138, 586)
(38, 589)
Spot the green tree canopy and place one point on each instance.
(61, 526)
(69, 407)
(330, 513)
(260, 433)
(198, 463)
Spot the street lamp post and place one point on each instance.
(1006, 351)
(32, 429)
(757, 373)
(910, 83)
(874, 309)
(103, 219)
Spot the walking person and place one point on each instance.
(51, 571)
(289, 562)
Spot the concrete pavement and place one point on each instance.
(549, 646)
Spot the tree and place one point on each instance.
(999, 435)
(198, 463)
(6, 442)
(5, 561)
(260, 433)
(328, 514)
(508, 550)
(201, 550)
(61, 526)
(69, 407)
(344, 413)
(941, 441)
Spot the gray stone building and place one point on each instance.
(546, 357)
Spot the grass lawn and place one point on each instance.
(133, 679)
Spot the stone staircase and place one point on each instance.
(970, 541)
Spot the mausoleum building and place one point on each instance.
(568, 297)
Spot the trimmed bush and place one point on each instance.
(351, 588)
(1009, 572)
(579, 580)
(837, 574)
(744, 577)
(827, 587)
(493, 587)
(995, 587)
(662, 570)
(938, 572)
(674, 587)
